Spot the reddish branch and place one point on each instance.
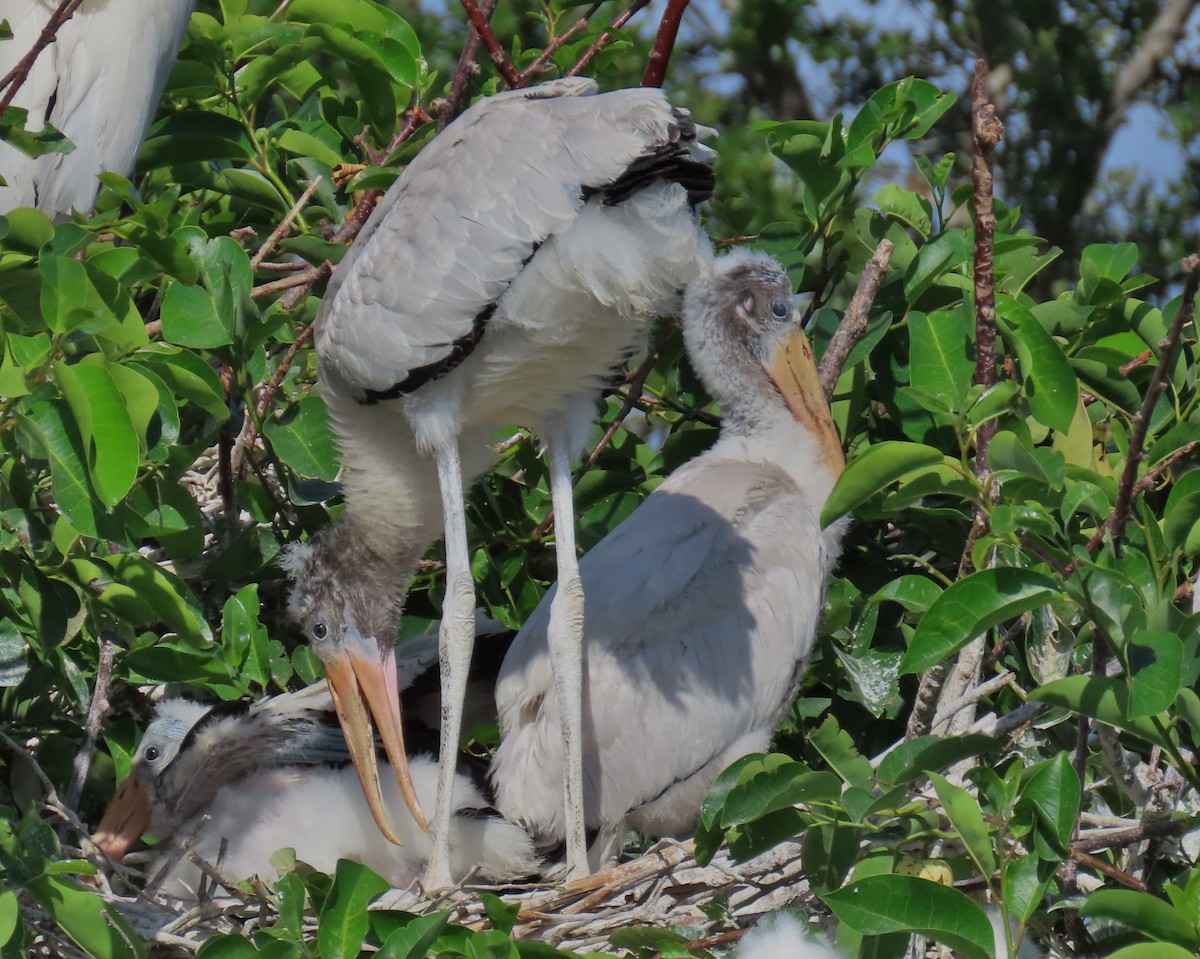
(11, 82)
(263, 402)
(606, 37)
(854, 322)
(1158, 381)
(664, 43)
(480, 22)
(552, 47)
(468, 66)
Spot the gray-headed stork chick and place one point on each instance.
(704, 603)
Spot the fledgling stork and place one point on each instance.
(253, 779)
(98, 82)
(510, 269)
(704, 603)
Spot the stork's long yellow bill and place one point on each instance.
(366, 699)
(125, 820)
(793, 370)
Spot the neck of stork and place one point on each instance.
(758, 427)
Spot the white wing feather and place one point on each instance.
(465, 216)
(699, 606)
(103, 75)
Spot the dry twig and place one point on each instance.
(854, 322)
(12, 81)
(97, 709)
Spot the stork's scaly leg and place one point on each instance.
(457, 636)
(566, 649)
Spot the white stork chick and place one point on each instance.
(510, 269)
(704, 603)
(275, 776)
(98, 82)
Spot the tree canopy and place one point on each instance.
(1004, 695)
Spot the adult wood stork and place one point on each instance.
(98, 82)
(704, 603)
(268, 776)
(511, 267)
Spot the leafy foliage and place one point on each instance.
(162, 440)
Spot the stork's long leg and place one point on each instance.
(566, 649)
(457, 636)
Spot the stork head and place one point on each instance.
(744, 339)
(345, 600)
(138, 804)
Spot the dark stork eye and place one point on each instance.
(780, 308)
(319, 631)
(151, 754)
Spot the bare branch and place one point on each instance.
(11, 81)
(552, 47)
(664, 43)
(606, 37)
(97, 709)
(480, 22)
(1158, 381)
(854, 322)
(468, 66)
(1161, 39)
(285, 225)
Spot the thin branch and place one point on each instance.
(552, 47)
(20, 73)
(854, 322)
(1160, 40)
(97, 709)
(480, 22)
(664, 44)
(971, 697)
(250, 431)
(285, 225)
(606, 37)
(468, 66)
(53, 803)
(1158, 381)
(307, 278)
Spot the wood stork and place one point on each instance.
(512, 266)
(268, 776)
(704, 603)
(98, 82)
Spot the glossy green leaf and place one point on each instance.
(912, 758)
(1155, 671)
(304, 441)
(970, 607)
(877, 905)
(1050, 384)
(874, 470)
(1147, 914)
(343, 920)
(942, 354)
(415, 939)
(1100, 698)
(95, 926)
(105, 428)
(962, 809)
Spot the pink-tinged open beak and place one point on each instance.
(125, 820)
(366, 698)
(793, 370)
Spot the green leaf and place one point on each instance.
(1050, 384)
(303, 440)
(970, 607)
(166, 594)
(914, 593)
(95, 926)
(1099, 698)
(962, 809)
(9, 913)
(191, 317)
(942, 354)
(1160, 950)
(877, 905)
(914, 757)
(1053, 792)
(838, 750)
(343, 920)
(105, 428)
(415, 939)
(873, 470)
(1147, 914)
(1155, 671)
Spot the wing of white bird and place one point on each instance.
(685, 630)
(407, 305)
(98, 83)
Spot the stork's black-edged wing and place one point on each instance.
(413, 297)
